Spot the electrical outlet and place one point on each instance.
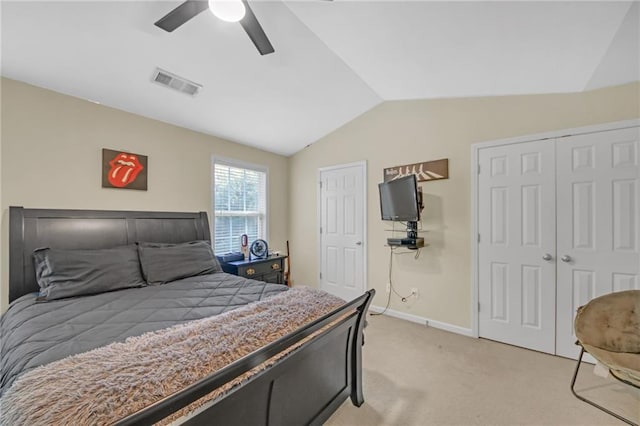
(388, 287)
(414, 292)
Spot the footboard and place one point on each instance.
(304, 387)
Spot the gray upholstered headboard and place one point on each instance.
(30, 229)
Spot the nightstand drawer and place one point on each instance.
(261, 268)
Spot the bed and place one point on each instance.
(268, 385)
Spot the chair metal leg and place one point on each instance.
(581, 398)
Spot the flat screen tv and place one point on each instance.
(399, 199)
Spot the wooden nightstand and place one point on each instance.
(270, 269)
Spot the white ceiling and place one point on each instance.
(333, 61)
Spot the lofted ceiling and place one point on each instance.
(334, 60)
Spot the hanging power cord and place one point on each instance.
(389, 293)
(391, 288)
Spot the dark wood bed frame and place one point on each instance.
(304, 387)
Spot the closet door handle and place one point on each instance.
(547, 257)
(566, 258)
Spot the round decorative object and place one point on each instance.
(259, 249)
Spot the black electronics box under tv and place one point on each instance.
(410, 243)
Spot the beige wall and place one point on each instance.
(51, 158)
(404, 132)
(50, 148)
(2, 225)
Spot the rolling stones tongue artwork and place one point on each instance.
(123, 170)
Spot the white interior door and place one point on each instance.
(342, 225)
(516, 262)
(598, 222)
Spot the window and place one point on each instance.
(240, 204)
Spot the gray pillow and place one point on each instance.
(67, 273)
(163, 263)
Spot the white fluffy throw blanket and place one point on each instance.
(106, 384)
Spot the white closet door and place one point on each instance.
(342, 210)
(517, 244)
(598, 222)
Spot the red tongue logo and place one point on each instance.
(124, 169)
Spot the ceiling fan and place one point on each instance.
(227, 10)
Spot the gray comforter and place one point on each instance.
(33, 334)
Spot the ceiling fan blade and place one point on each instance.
(181, 14)
(254, 30)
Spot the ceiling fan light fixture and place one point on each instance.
(227, 10)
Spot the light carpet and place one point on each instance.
(417, 375)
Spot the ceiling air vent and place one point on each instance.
(175, 82)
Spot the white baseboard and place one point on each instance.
(424, 321)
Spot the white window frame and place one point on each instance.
(243, 165)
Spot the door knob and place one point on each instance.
(358, 243)
(566, 258)
(547, 257)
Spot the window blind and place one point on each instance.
(239, 205)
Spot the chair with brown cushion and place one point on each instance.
(608, 328)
